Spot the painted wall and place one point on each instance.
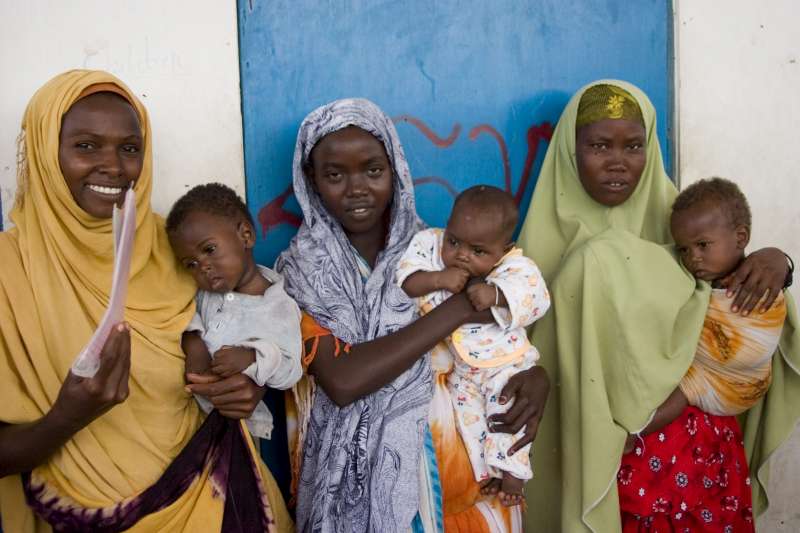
(475, 87)
(180, 57)
(738, 112)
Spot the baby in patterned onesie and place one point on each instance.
(477, 243)
(245, 322)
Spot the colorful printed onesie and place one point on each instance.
(486, 355)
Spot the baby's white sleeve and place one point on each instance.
(278, 359)
(419, 256)
(524, 288)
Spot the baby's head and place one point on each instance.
(212, 234)
(710, 224)
(480, 229)
(610, 144)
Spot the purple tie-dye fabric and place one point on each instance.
(220, 441)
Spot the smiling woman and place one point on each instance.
(128, 448)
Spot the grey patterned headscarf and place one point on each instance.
(360, 463)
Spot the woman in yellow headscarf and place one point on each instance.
(127, 449)
(622, 331)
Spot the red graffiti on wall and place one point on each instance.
(274, 214)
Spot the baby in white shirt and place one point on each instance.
(245, 321)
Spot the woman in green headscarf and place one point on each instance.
(624, 326)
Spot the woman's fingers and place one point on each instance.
(117, 383)
(210, 385)
(760, 276)
(237, 393)
(514, 419)
(110, 352)
(511, 388)
(527, 438)
(770, 299)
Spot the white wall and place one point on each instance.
(180, 57)
(738, 78)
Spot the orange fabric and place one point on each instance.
(311, 330)
(460, 492)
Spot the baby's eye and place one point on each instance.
(680, 249)
(452, 242)
(703, 244)
(190, 265)
(479, 251)
(210, 249)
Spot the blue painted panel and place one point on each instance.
(475, 86)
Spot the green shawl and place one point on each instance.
(622, 331)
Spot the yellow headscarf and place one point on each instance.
(54, 288)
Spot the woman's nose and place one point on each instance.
(111, 163)
(357, 185)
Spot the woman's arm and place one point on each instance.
(80, 400)
(370, 365)
(762, 273)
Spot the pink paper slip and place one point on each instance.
(88, 361)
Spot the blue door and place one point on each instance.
(475, 87)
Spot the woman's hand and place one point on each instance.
(234, 397)
(81, 400)
(760, 275)
(529, 390)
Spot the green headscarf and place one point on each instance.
(622, 331)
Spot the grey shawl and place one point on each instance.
(360, 468)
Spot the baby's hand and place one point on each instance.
(452, 279)
(482, 295)
(232, 360)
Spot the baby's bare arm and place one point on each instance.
(668, 411)
(421, 283)
(483, 296)
(198, 358)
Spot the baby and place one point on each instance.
(245, 321)
(477, 243)
(732, 368)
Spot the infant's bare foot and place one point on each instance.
(490, 487)
(511, 490)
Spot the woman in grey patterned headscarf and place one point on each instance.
(362, 430)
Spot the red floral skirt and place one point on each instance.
(691, 476)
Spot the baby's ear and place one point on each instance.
(247, 234)
(742, 236)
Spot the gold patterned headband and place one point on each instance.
(600, 102)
